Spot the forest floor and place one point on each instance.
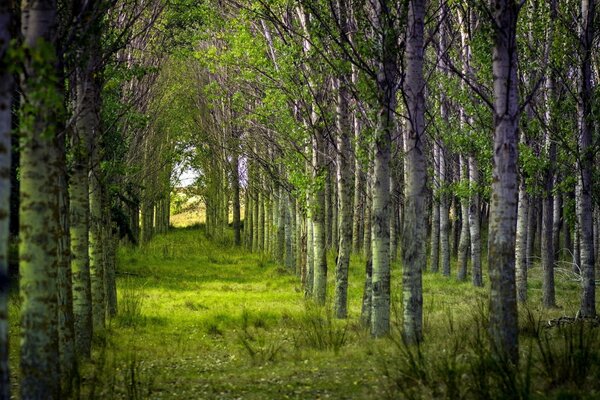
(202, 320)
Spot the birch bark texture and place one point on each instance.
(380, 211)
(344, 176)
(586, 161)
(503, 205)
(415, 217)
(39, 224)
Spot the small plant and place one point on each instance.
(138, 385)
(130, 305)
(213, 329)
(318, 329)
(168, 251)
(259, 348)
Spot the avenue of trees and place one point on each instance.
(453, 137)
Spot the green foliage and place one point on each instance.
(42, 107)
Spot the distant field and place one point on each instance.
(192, 211)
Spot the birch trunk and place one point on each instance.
(235, 186)
(501, 242)
(260, 245)
(358, 208)
(547, 243)
(380, 211)
(444, 219)
(531, 230)
(319, 238)
(290, 229)
(463, 243)
(367, 299)
(586, 162)
(474, 222)
(281, 223)
(79, 209)
(345, 196)
(415, 217)
(66, 328)
(556, 222)
(39, 228)
(310, 250)
(435, 216)
(96, 244)
(521, 243)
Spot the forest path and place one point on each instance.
(199, 320)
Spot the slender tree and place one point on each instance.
(39, 229)
(415, 218)
(501, 242)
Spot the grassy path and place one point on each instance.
(198, 320)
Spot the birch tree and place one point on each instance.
(38, 211)
(415, 218)
(586, 159)
(501, 242)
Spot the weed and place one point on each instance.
(260, 348)
(130, 305)
(318, 329)
(195, 306)
(464, 365)
(568, 353)
(138, 385)
(213, 329)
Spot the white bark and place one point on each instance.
(501, 242)
(415, 217)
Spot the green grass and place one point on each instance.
(204, 320)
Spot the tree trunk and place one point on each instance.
(586, 162)
(310, 250)
(531, 230)
(501, 242)
(521, 243)
(547, 243)
(343, 161)
(444, 219)
(319, 238)
(358, 208)
(415, 218)
(474, 222)
(260, 245)
(556, 222)
(463, 244)
(281, 222)
(66, 328)
(290, 229)
(39, 214)
(235, 186)
(109, 245)
(435, 216)
(380, 211)
(367, 299)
